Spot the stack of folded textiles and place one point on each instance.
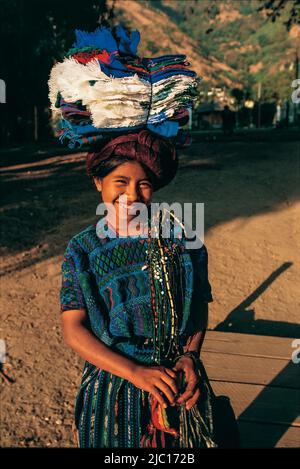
(103, 88)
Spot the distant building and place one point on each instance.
(208, 115)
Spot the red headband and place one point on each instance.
(156, 153)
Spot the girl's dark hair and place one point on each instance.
(105, 167)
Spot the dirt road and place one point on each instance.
(251, 196)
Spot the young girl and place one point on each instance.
(134, 306)
(134, 343)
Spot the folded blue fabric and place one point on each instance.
(115, 51)
(117, 70)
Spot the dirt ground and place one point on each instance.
(251, 193)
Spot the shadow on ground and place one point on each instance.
(280, 416)
(242, 318)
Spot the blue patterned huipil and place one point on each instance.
(107, 277)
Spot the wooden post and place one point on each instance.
(258, 96)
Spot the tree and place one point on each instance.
(238, 95)
(33, 36)
(275, 8)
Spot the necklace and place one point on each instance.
(165, 272)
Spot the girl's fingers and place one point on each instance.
(188, 393)
(170, 382)
(190, 389)
(192, 401)
(170, 372)
(178, 366)
(159, 397)
(162, 386)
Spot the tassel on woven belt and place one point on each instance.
(158, 426)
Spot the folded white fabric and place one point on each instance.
(116, 102)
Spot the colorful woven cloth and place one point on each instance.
(102, 87)
(105, 276)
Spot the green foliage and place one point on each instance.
(33, 35)
(238, 95)
(263, 40)
(277, 86)
(245, 8)
(286, 10)
(153, 47)
(241, 42)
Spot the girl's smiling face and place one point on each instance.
(128, 181)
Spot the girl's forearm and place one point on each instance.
(92, 349)
(195, 341)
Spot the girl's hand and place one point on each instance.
(158, 380)
(192, 392)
